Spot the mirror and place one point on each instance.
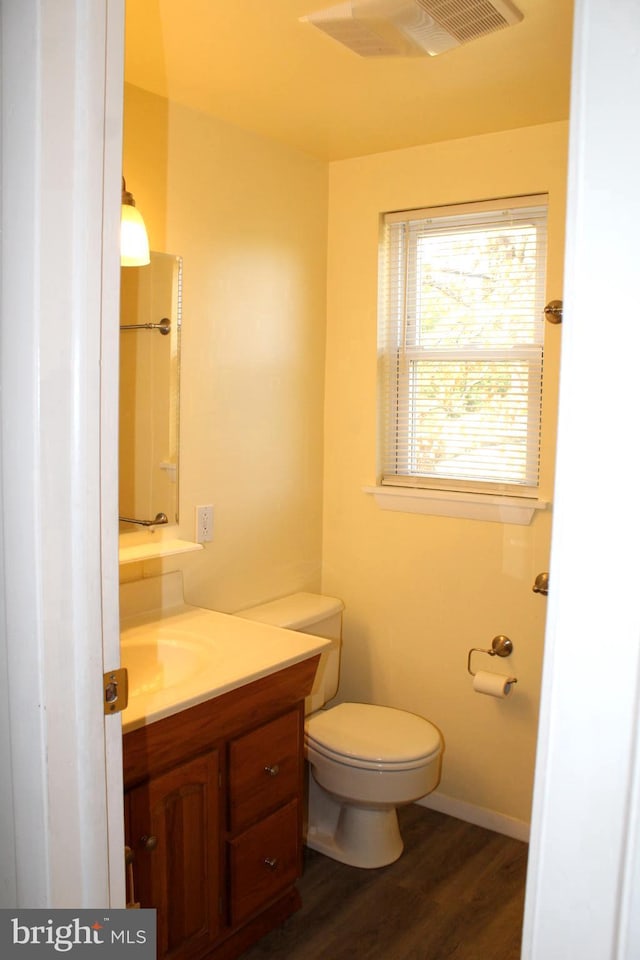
(150, 322)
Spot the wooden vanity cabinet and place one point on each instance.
(213, 815)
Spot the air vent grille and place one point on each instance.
(360, 37)
(468, 19)
(379, 28)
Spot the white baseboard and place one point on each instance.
(480, 816)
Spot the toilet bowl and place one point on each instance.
(364, 760)
(367, 760)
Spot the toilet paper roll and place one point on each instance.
(495, 684)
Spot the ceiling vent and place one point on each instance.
(384, 28)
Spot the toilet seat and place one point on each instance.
(372, 737)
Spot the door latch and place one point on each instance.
(116, 690)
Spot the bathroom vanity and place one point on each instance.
(213, 775)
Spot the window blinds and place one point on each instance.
(461, 336)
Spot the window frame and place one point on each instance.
(398, 344)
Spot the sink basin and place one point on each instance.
(157, 663)
(186, 655)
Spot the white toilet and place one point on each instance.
(365, 760)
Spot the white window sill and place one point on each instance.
(468, 506)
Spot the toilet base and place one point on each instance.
(367, 837)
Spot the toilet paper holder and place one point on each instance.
(501, 646)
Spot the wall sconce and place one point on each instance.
(134, 243)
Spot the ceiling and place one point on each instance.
(253, 64)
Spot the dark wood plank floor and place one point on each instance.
(457, 893)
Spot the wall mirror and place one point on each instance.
(150, 322)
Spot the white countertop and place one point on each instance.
(187, 655)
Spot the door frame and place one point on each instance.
(61, 825)
(583, 889)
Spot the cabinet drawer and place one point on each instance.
(265, 769)
(264, 861)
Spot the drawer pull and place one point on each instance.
(271, 862)
(149, 843)
(272, 770)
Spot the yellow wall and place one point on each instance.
(419, 590)
(144, 164)
(249, 218)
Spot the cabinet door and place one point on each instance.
(174, 832)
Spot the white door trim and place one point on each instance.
(60, 195)
(109, 423)
(584, 866)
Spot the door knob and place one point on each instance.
(541, 584)
(553, 311)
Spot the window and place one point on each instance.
(461, 331)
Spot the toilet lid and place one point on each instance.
(368, 732)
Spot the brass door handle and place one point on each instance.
(541, 584)
(272, 769)
(553, 311)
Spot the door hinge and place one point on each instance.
(116, 691)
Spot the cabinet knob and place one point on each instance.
(272, 769)
(149, 843)
(271, 862)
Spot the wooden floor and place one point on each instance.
(457, 893)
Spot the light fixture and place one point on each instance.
(134, 243)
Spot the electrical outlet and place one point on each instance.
(204, 523)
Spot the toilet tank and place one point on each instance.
(308, 613)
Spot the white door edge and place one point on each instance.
(109, 399)
(61, 828)
(583, 889)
